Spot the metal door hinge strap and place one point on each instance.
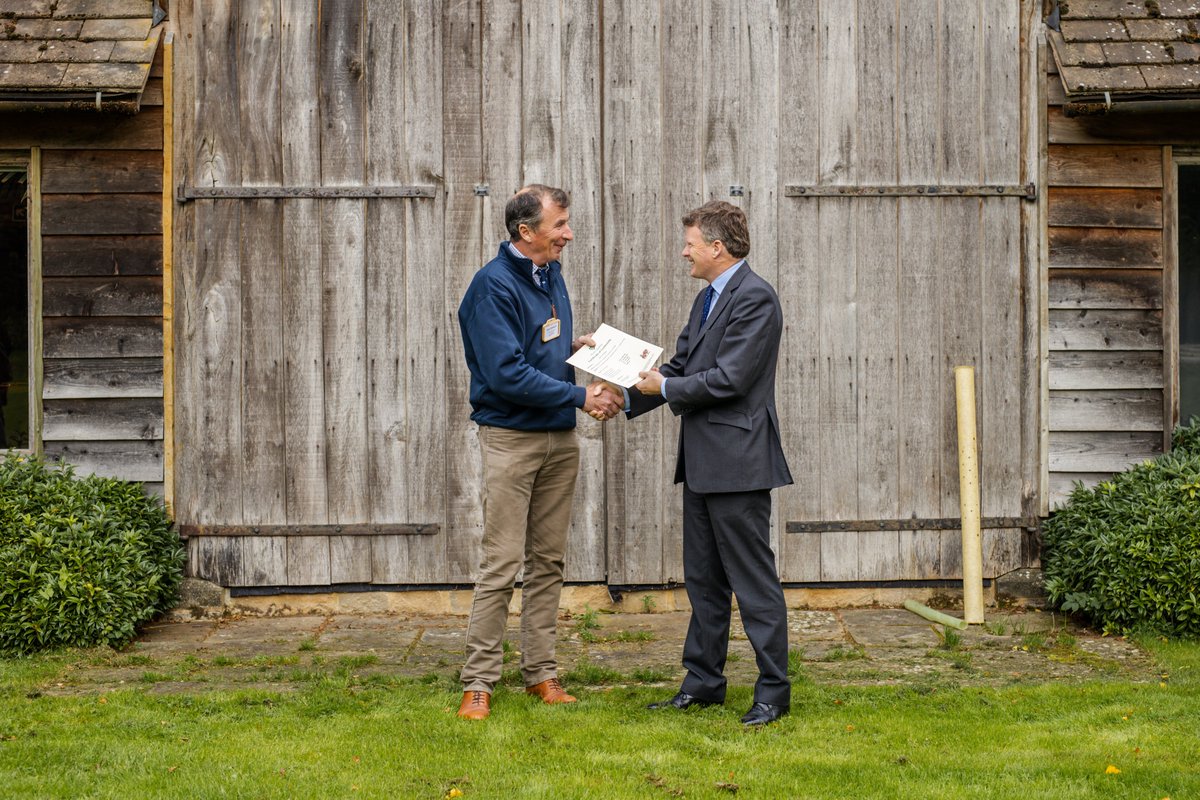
(909, 524)
(366, 529)
(188, 193)
(1026, 192)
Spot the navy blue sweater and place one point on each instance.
(517, 380)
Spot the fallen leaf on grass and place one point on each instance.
(849, 727)
(1111, 770)
(172, 769)
(727, 787)
(455, 792)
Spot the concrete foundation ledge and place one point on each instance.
(204, 600)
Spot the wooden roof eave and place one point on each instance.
(101, 98)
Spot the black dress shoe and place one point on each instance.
(763, 714)
(681, 701)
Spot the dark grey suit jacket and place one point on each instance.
(722, 388)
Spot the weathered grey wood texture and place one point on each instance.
(102, 284)
(320, 375)
(1105, 207)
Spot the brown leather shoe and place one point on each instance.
(475, 705)
(551, 691)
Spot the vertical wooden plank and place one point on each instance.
(633, 283)
(262, 389)
(919, 428)
(878, 290)
(1001, 374)
(960, 255)
(258, 48)
(390, 421)
(344, 336)
(879, 338)
(209, 373)
(502, 126)
(304, 390)
(218, 97)
(183, 279)
(960, 79)
(682, 31)
(580, 169)
(168, 284)
(1170, 295)
(837, 286)
(1000, 428)
(758, 156)
(462, 144)
(878, 555)
(836, 252)
(264, 560)
(264, 475)
(308, 560)
(838, 55)
(542, 91)
(350, 559)
(425, 454)
(1033, 144)
(959, 260)
(798, 386)
(839, 556)
(343, 255)
(723, 51)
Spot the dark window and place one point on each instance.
(1189, 292)
(14, 309)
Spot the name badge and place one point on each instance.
(551, 329)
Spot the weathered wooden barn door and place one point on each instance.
(311, 381)
(890, 282)
(883, 294)
(344, 170)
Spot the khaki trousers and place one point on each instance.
(528, 486)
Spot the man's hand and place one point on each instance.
(583, 341)
(604, 401)
(650, 383)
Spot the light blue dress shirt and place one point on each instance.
(718, 286)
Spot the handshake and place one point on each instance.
(606, 399)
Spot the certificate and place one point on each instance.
(617, 357)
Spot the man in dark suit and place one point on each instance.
(721, 385)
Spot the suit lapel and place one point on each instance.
(723, 299)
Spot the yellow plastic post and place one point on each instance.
(968, 496)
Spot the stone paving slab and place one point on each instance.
(836, 647)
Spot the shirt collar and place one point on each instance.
(719, 282)
(517, 254)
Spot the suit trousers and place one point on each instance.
(528, 488)
(727, 550)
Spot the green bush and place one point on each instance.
(83, 562)
(1127, 552)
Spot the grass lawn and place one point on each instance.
(338, 735)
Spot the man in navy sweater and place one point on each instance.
(516, 328)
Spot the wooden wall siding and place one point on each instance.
(321, 376)
(101, 284)
(1106, 260)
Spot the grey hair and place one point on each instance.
(525, 207)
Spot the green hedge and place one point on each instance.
(83, 561)
(1127, 552)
